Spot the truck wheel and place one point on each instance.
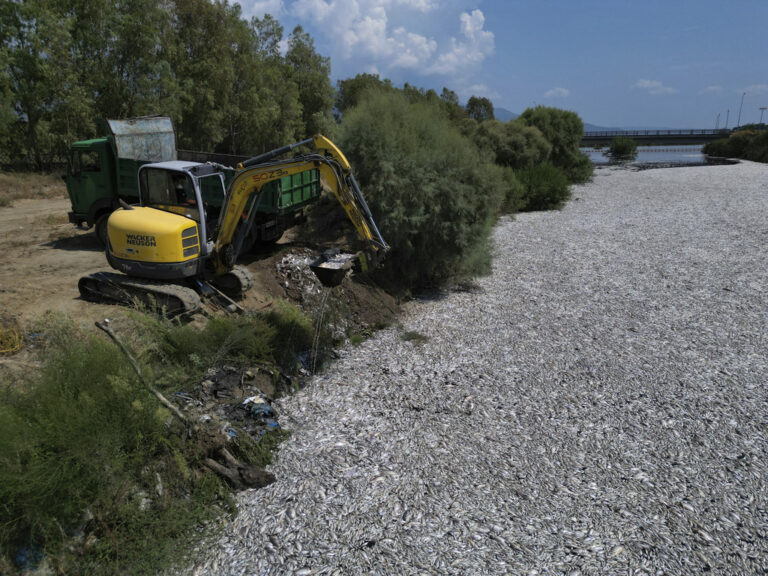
(100, 229)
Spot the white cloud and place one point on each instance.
(364, 31)
(361, 28)
(466, 90)
(258, 8)
(557, 93)
(654, 87)
(756, 89)
(467, 54)
(712, 90)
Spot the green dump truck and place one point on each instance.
(104, 171)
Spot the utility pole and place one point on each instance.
(738, 122)
(727, 115)
(717, 122)
(762, 109)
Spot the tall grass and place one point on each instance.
(94, 472)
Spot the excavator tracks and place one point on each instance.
(234, 283)
(172, 299)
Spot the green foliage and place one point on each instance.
(293, 332)
(480, 108)
(514, 192)
(746, 144)
(221, 78)
(311, 72)
(86, 437)
(622, 148)
(234, 340)
(512, 144)
(563, 130)
(545, 187)
(432, 193)
(186, 350)
(756, 127)
(349, 91)
(414, 337)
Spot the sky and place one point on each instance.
(617, 63)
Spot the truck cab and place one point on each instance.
(103, 171)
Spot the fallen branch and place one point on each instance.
(136, 368)
(239, 474)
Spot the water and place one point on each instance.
(687, 154)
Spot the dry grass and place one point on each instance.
(56, 219)
(11, 336)
(18, 185)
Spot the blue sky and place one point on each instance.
(673, 63)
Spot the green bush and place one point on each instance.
(746, 144)
(564, 130)
(545, 186)
(85, 437)
(432, 193)
(512, 143)
(293, 332)
(235, 340)
(622, 148)
(514, 192)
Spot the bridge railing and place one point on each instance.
(631, 133)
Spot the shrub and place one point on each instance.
(622, 148)
(235, 340)
(85, 437)
(515, 194)
(563, 130)
(545, 186)
(433, 195)
(512, 143)
(293, 332)
(746, 144)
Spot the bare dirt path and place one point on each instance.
(41, 258)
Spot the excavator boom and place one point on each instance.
(255, 173)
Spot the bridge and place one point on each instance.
(655, 137)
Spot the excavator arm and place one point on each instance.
(253, 174)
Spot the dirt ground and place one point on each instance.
(42, 256)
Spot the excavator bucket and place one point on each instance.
(331, 267)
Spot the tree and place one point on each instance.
(432, 193)
(512, 144)
(312, 75)
(349, 91)
(480, 109)
(564, 130)
(41, 79)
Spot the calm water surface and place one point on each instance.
(654, 155)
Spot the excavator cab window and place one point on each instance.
(170, 191)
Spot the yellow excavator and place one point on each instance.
(174, 248)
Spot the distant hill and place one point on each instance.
(503, 114)
(595, 128)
